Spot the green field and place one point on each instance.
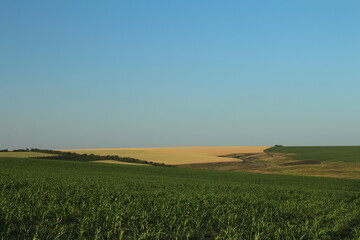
(24, 154)
(346, 154)
(45, 199)
(341, 162)
(65, 156)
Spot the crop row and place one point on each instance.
(41, 199)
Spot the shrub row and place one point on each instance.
(60, 155)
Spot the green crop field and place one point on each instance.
(341, 162)
(346, 154)
(47, 199)
(24, 154)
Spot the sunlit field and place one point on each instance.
(175, 155)
(326, 161)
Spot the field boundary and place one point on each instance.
(71, 156)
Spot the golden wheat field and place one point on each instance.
(174, 155)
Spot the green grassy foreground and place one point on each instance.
(44, 199)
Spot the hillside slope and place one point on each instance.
(44, 199)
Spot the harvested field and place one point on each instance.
(174, 155)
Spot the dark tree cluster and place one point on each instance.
(22, 150)
(60, 155)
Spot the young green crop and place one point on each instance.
(43, 199)
(346, 154)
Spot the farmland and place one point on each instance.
(71, 156)
(119, 162)
(343, 162)
(23, 154)
(174, 155)
(45, 199)
(345, 154)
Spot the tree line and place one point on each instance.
(60, 155)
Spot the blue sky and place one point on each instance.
(90, 74)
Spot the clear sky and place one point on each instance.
(95, 74)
